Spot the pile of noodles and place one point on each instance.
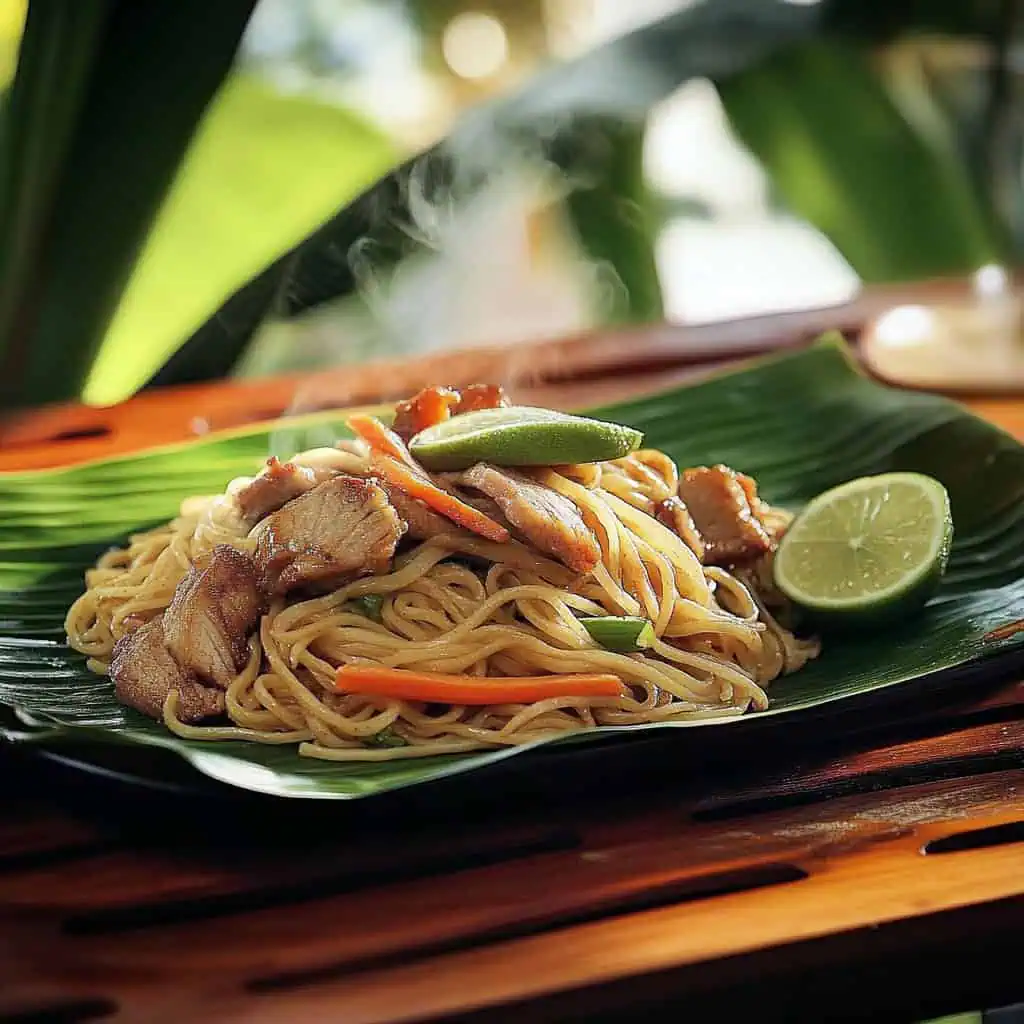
(462, 604)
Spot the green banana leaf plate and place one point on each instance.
(799, 423)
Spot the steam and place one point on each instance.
(448, 259)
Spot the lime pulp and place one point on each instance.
(872, 549)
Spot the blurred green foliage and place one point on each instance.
(154, 217)
(895, 202)
(104, 103)
(264, 170)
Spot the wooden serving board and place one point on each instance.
(877, 873)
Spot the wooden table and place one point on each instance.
(881, 874)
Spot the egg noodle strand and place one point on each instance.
(460, 604)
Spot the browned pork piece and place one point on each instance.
(213, 610)
(548, 520)
(436, 404)
(422, 521)
(676, 516)
(144, 673)
(345, 527)
(719, 500)
(278, 484)
(481, 396)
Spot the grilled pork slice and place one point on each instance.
(435, 404)
(144, 673)
(421, 520)
(278, 484)
(213, 610)
(481, 396)
(548, 520)
(719, 500)
(343, 528)
(676, 516)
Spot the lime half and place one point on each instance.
(871, 550)
(521, 436)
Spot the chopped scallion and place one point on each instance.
(387, 737)
(620, 633)
(369, 605)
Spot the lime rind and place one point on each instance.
(521, 436)
(912, 588)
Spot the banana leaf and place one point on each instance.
(799, 423)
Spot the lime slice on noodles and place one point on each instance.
(869, 551)
(521, 436)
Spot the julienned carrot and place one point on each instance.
(441, 688)
(417, 484)
(379, 437)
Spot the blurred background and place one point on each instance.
(599, 162)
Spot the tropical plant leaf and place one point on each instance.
(897, 205)
(799, 423)
(613, 220)
(264, 169)
(105, 99)
(616, 84)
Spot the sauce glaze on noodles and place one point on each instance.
(458, 603)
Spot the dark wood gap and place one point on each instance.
(685, 890)
(71, 434)
(30, 860)
(978, 838)
(63, 1013)
(897, 777)
(939, 722)
(213, 905)
(80, 433)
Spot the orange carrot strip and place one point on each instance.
(442, 688)
(417, 484)
(379, 437)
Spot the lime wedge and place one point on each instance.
(521, 436)
(871, 550)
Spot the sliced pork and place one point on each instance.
(144, 673)
(547, 519)
(421, 521)
(213, 610)
(481, 396)
(719, 501)
(278, 484)
(343, 528)
(676, 516)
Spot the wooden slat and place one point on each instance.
(123, 878)
(961, 752)
(482, 907)
(868, 887)
(29, 830)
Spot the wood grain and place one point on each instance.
(617, 906)
(962, 752)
